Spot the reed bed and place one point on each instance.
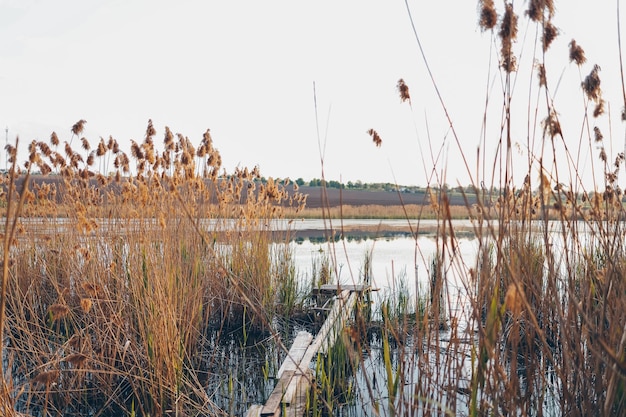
(535, 323)
(116, 283)
(111, 302)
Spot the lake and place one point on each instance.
(394, 256)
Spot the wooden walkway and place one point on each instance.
(295, 376)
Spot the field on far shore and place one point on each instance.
(334, 197)
(366, 204)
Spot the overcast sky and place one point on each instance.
(246, 70)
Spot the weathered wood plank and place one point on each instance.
(295, 354)
(340, 320)
(294, 375)
(273, 404)
(254, 410)
(295, 397)
(330, 289)
(327, 327)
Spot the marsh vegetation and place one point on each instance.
(134, 283)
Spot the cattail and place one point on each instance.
(85, 305)
(54, 139)
(135, 150)
(76, 359)
(125, 163)
(58, 311)
(550, 32)
(535, 11)
(576, 53)
(403, 89)
(78, 127)
(185, 158)
(513, 300)
(91, 289)
(603, 155)
(44, 168)
(102, 180)
(599, 109)
(541, 74)
(169, 139)
(591, 84)
(375, 137)
(12, 152)
(44, 148)
(597, 134)
(102, 148)
(552, 125)
(149, 154)
(85, 143)
(611, 177)
(46, 377)
(75, 159)
(150, 131)
(68, 150)
(508, 33)
(488, 16)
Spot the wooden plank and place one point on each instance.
(295, 354)
(338, 288)
(340, 320)
(254, 410)
(326, 328)
(294, 375)
(273, 403)
(295, 397)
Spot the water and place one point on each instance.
(397, 261)
(392, 258)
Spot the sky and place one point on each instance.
(294, 86)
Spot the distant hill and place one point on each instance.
(320, 196)
(333, 197)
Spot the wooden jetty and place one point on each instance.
(289, 397)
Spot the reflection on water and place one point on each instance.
(390, 258)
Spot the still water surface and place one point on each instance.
(392, 258)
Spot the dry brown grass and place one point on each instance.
(118, 281)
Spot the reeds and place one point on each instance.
(119, 281)
(115, 284)
(535, 323)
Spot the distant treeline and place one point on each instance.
(380, 186)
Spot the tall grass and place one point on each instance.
(539, 327)
(117, 282)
